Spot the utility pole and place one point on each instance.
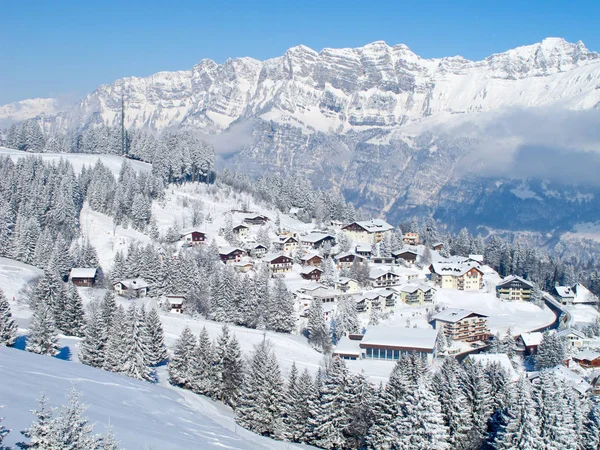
(123, 137)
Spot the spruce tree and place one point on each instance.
(41, 433)
(93, 346)
(232, 378)
(281, 316)
(590, 435)
(521, 430)
(359, 410)
(180, 369)
(476, 390)
(8, 326)
(71, 429)
(203, 369)
(260, 405)
(157, 351)
(42, 338)
(136, 358)
(73, 316)
(116, 344)
(318, 331)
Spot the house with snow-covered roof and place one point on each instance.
(255, 219)
(132, 287)
(367, 231)
(174, 303)
(574, 339)
(278, 264)
(514, 288)
(462, 325)
(411, 238)
(241, 230)
(311, 273)
(466, 276)
(390, 343)
(346, 259)
(530, 342)
(286, 243)
(316, 239)
(577, 294)
(407, 254)
(83, 276)
(311, 259)
(587, 359)
(348, 347)
(417, 293)
(192, 236)
(347, 285)
(383, 277)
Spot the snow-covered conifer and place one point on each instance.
(8, 326)
(93, 345)
(318, 332)
(42, 338)
(41, 433)
(157, 350)
(180, 365)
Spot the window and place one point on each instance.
(369, 352)
(376, 353)
(396, 354)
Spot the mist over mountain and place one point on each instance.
(508, 142)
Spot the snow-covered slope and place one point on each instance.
(142, 415)
(338, 90)
(78, 160)
(28, 109)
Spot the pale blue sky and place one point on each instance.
(66, 48)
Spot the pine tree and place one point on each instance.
(73, 316)
(42, 338)
(180, 370)
(3, 430)
(93, 346)
(281, 315)
(260, 406)
(232, 378)
(203, 371)
(590, 435)
(346, 318)
(521, 430)
(360, 412)
(318, 332)
(476, 390)
(551, 351)
(136, 358)
(8, 326)
(380, 435)
(157, 350)
(116, 344)
(71, 429)
(41, 432)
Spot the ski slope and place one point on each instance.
(142, 415)
(78, 160)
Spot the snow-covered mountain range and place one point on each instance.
(27, 109)
(399, 134)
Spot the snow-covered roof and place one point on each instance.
(346, 280)
(570, 331)
(271, 256)
(385, 292)
(499, 358)
(532, 339)
(373, 225)
(241, 225)
(83, 272)
(175, 300)
(371, 295)
(309, 256)
(512, 278)
(587, 355)
(413, 287)
(134, 283)
(453, 315)
(187, 231)
(583, 294)
(364, 248)
(376, 272)
(314, 237)
(229, 250)
(346, 346)
(309, 269)
(564, 292)
(477, 258)
(406, 249)
(418, 338)
(454, 269)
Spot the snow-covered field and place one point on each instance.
(583, 314)
(78, 160)
(142, 415)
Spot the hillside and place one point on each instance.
(142, 415)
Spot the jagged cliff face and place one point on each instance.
(366, 120)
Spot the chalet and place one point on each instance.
(577, 294)
(411, 238)
(497, 359)
(175, 303)
(82, 276)
(514, 288)
(383, 277)
(134, 287)
(257, 250)
(364, 250)
(317, 239)
(311, 273)
(193, 236)
(407, 254)
(587, 359)
(530, 342)
(241, 230)
(286, 244)
(345, 260)
(461, 276)
(390, 343)
(383, 260)
(369, 301)
(326, 295)
(368, 230)
(311, 259)
(438, 246)
(255, 219)
(388, 296)
(462, 325)
(573, 338)
(417, 293)
(347, 285)
(231, 255)
(279, 264)
(348, 347)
